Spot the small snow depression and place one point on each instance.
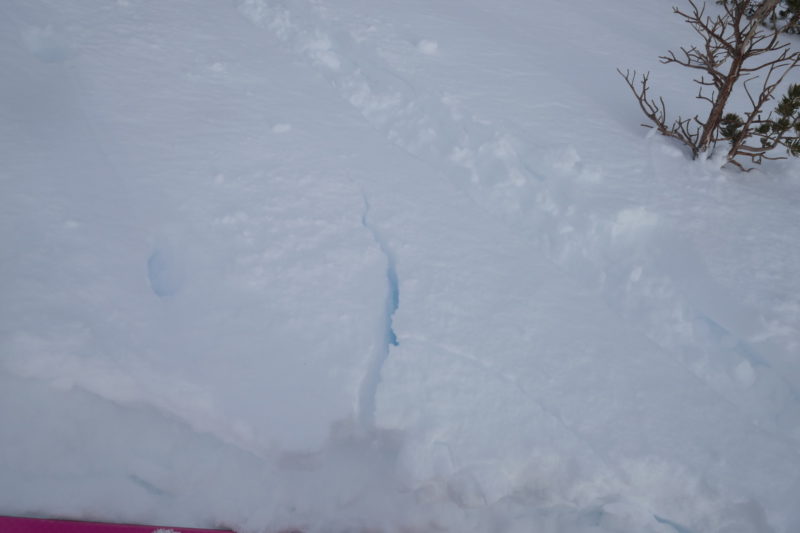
(166, 273)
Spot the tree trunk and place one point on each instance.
(717, 110)
(715, 115)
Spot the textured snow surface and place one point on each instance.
(364, 265)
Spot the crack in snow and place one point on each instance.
(674, 525)
(372, 378)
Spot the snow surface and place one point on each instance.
(366, 265)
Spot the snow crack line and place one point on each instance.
(372, 378)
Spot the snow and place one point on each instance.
(359, 266)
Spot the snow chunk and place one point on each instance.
(281, 128)
(632, 221)
(428, 47)
(320, 50)
(218, 67)
(745, 373)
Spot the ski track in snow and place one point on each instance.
(428, 126)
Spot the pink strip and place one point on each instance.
(10, 524)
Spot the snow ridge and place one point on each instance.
(371, 382)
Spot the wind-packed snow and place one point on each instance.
(367, 265)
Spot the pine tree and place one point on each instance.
(738, 49)
(784, 15)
